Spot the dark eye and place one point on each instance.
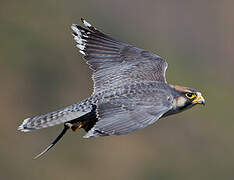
(190, 95)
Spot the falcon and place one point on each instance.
(130, 90)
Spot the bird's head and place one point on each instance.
(187, 97)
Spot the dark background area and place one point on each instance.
(41, 71)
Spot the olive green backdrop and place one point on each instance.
(41, 71)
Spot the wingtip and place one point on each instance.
(74, 27)
(78, 36)
(85, 23)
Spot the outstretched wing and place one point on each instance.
(121, 115)
(114, 62)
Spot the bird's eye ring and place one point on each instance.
(190, 95)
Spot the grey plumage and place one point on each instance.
(116, 65)
(130, 89)
(131, 109)
(114, 62)
(57, 117)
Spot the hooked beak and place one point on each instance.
(199, 100)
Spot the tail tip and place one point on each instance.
(22, 127)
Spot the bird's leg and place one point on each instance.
(76, 126)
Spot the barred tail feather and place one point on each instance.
(57, 117)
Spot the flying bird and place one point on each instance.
(130, 90)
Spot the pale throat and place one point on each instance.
(179, 101)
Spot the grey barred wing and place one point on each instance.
(115, 62)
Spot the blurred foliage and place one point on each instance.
(41, 71)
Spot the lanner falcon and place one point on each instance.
(130, 90)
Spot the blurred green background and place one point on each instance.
(41, 71)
